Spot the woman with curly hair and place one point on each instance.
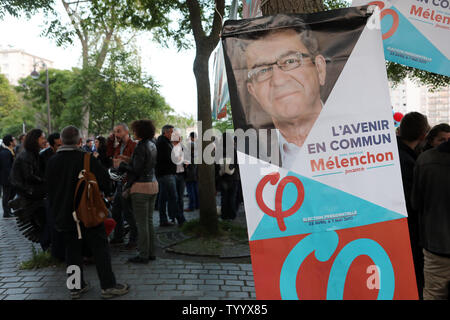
(143, 187)
(28, 180)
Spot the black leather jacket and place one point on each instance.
(142, 164)
(27, 176)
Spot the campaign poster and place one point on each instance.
(319, 162)
(416, 33)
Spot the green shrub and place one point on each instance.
(39, 259)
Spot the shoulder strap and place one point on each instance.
(86, 168)
(87, 162)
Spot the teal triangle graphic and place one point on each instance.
(324, 209)
(408, 39)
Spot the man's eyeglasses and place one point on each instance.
(287, 63)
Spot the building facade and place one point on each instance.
(16, 64)
(407, 96)
(435, 105)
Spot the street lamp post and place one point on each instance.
(35, 75)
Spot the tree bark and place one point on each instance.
(291, 6)
(206, 173)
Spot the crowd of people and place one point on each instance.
(425, 167)
(136, 172)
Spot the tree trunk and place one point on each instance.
(85, 115)
(205, 45)
(206, 173)
(291, 6)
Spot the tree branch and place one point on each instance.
(195, 17)
(217, 23)
(72, 20)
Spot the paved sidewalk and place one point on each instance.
(162, 279)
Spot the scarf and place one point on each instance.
(10, 149)
(72, 147)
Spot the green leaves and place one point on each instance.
(27, 7)
(13, 110)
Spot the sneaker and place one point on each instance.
(138, 259)
(117, 291)
(77, 293)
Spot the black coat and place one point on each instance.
(103, 158)
(62, 177)
(407, 161)
(27, 176)
(431, 198)
(44, 156)
(6, 163)
(142, 164)
(164, 163)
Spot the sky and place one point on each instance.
(179, 89)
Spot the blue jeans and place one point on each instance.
(168, 195)
(192, 190)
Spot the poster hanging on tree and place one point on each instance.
(318, 157)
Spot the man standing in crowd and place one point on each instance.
(62, 177)
(7, 156)
(165, 173)
(120, 147)
(55, 142)
(412, 131)
(88, 146)
(191, 176)
(431, 198)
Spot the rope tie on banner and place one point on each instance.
(221, 18)
(263, 2)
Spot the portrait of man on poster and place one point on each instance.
(282, 72)
(285, 73)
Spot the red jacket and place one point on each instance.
(114, 152)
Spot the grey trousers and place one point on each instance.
(143, 206)
(437, 276)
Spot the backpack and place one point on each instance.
(91, 209)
